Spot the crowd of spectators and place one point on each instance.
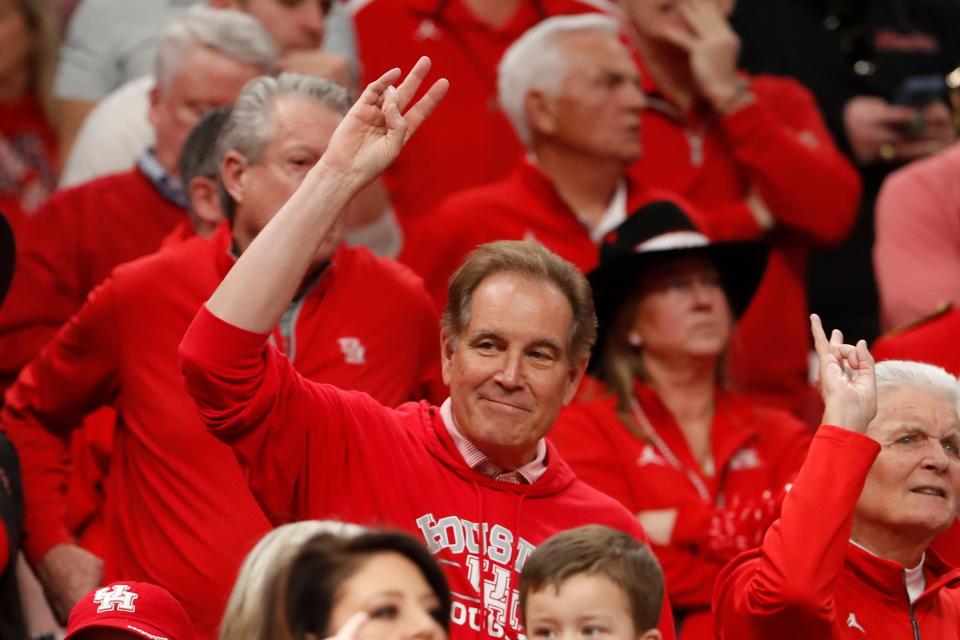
(479, 319)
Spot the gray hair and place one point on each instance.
(250, 125)
(896, 374)
(537, 61)
(246, 609)
(232, 33)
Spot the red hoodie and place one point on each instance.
(807, 581)
(315, 451)
(178, 511)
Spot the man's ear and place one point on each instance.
(447, 347)
(575, 375)
(540, 111)
(153, 105)
(205, 203)
(232, 170)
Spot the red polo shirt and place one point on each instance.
(779, 145)
(523, 206)
(467, 141)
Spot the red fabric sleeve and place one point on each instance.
(789, 582)
(278, 422)
(44, 292)
(74, 374)
(782, 143)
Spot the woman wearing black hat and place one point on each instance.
(701, 466)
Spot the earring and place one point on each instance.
(634, 339)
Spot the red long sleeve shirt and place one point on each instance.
(755, 450)
(68, 247)
(807, 581)
(467, 141)
(780, 146)
(315, 451)
(178, 512)
(523, 206)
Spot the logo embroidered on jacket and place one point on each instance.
(853, 624)
(353, 350)
(745, 459)
(115, 598)
(649, 456)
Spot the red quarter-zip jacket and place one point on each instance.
(807, 581)
(524, 206)
(755, 450)
(315, 451)
(178, 511)
(780, 146)
(467, 141)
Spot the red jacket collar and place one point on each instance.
(886, 578)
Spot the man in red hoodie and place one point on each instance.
(474, 477)
(850, 556)
(178, 511)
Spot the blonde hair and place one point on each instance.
(247, 607)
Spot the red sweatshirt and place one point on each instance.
(779, 145)
(807, 581)
(315, 451)
(935, 342)
(67, 248)
(755, 450)
(523, 206)
(179, 513)
(467, 141)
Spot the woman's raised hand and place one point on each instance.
(847, 380)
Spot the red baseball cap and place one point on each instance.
(140, 608)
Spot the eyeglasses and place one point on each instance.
(918, 440)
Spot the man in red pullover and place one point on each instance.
(754, 156)
(468, 142)
(178, 510)
(80, 234)
(572, 91)
(474, 477)
(850, 556)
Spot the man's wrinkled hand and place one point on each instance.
(375, 129)
(68, 573)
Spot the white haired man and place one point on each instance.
(474, 477)
(81, 233)
(572, 93)
(178, 511)
(850, 556)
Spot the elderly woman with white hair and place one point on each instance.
(850, 556)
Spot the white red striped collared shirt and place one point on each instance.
(481, 462)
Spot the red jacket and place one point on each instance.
(755, 450)
(68, 247)
(179, 513)
(935, 342)
(467, 141)
(780, 145)
(808, 582)
(523, 206)
(315, 451)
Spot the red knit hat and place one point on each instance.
(140, 608)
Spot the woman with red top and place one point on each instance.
(28, 144)
(702, 467)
